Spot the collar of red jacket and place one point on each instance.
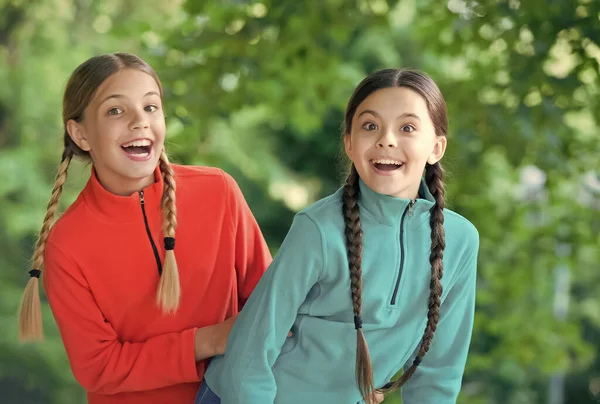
(123, 208)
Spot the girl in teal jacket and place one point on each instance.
(366, 278)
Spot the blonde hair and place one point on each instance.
(169, 288)
(79, 91)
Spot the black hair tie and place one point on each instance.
(169, 243)
(417, 361)
(357, 322)
(35, 273)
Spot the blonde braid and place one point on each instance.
(169, 288)
(30, 314)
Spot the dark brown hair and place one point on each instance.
(423, 85)
(79, 92)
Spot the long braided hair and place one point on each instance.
(80, 90)
(434, 176)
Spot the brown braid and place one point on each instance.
(169, 289)
(354, 236)
(30, 315)
(434, 176)
(423, 85)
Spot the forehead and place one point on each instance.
(129, 83)
(390, 102)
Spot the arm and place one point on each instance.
(100, 362)
(252, 256)
(262, 326)
(439, 377)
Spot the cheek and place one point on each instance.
(158, 122)
(417, 150)
(361, 144)
(107, 133)
(159, 129)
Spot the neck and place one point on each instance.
(121, 187)
(412, 193)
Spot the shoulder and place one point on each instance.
(460, 228)
(462, 240)
(210, 188)
(324, 209)
(62, 246)
(68, 225)
(207, 181)
(200, 175)
(305, 240)
(325, 216)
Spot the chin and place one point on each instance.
(376, 186)
(148, 170)
(139, 170)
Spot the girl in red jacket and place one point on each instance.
(139, 313)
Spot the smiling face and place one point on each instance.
(390, 140)
(123, 129)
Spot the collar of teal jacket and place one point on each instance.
(389, 210)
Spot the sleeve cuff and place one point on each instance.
(189, 369)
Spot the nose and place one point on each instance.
(387, 139)
(139, 120)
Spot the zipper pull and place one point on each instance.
(141, 197)
(411, 204)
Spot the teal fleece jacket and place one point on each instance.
(307, 290)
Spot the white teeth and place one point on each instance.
(138, 143)
(387, 161)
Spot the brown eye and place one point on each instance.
(151, 108)
(370, 126)
(408, 128)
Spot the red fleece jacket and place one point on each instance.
(101, 276)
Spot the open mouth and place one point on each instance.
(141, 147)
(387, 164)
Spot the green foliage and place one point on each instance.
(259, 89)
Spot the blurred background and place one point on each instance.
(258, 88)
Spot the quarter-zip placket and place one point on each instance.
(149, 233)
(408, 210)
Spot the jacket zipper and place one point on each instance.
(154, 249)
(409, 210)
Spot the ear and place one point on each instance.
(439, 148)
(77, 134)
(348, 145)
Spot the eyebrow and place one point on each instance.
(375, 114)
(117, 96)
